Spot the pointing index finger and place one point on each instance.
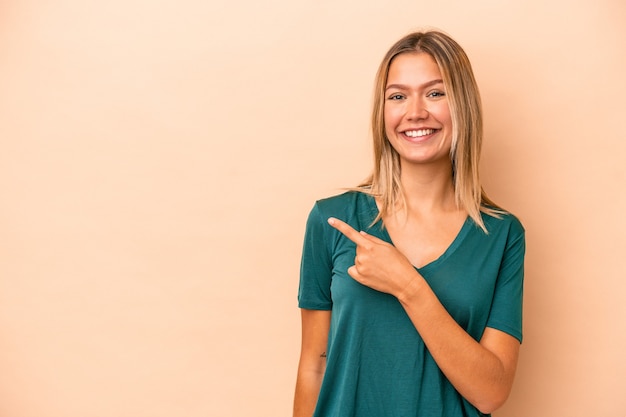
(347, 230)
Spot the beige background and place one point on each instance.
(158, 160)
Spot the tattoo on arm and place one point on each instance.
(323, 355)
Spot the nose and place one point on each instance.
(416, 110)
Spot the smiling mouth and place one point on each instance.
(419, 133)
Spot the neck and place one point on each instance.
(428, 188)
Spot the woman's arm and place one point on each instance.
(482, 371)
(315, 327)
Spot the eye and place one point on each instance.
(436, 94)
(395, 96)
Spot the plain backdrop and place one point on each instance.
(158, 160)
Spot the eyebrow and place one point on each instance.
(404, 87)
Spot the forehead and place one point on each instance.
(413, 67)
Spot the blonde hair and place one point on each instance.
(467, 127)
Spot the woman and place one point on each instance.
(411, 284)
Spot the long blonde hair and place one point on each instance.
(467, 127)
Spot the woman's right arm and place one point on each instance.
(315, 327)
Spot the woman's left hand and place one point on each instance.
(378, 264)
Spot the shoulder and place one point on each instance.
(339, 201)
(506, 231)
(353, 207)
(344, 204)
(505, 222)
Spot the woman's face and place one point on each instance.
(416, 112)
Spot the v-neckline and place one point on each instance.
(456, 242)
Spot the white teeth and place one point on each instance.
(419, 133)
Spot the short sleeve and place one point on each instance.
(506, 308)
(316, 264)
